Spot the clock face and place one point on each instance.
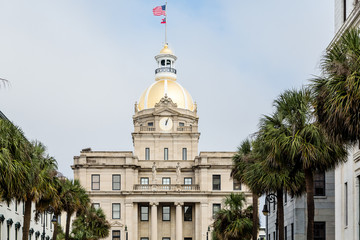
(166, 123)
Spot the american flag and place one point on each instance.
(163, 21)
(160, 10)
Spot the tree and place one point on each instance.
(252, 169)
(296, 141)
(74, 199)
(337, 91)
(233, 221)
(91, 225)
(39, 182)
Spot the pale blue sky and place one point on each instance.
(77, 67)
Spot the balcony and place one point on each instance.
(184, 129)
(165, 187)
(147, 128)
(165, 69)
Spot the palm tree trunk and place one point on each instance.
(309, 179)
(55, 231)
(280, 213)
(255, 216)
(67, 231)
(27, 218)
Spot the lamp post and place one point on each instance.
(49, 210)
(126, 232)
(207, 233)
(270, 198)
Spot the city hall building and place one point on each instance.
(163, 189)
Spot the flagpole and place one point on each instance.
(166, 23)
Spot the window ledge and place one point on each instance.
(320, 197)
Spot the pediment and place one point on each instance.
(165, 111)
(116, 224)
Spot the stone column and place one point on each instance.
(179, 221)
(205, 219)
(154, 220)
(129, 207)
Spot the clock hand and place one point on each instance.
(166, 122)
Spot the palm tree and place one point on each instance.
(251, 168)
(74, 198)
(336, 92)
(242, 160)
(91, 225)
(14, 159)
(233, 221)
(295, 141)
(39, 182)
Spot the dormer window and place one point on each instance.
(150, 124)
(181, 124)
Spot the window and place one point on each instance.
(181, 124)
(166, 181)
(95, 182)
(144, 181)
(285, 232)
(292, 231)
(216, 182)
(166, 154)
(236, 185)
(166, 213)
(150, 124)
(319, 231)
(116, 210)
(319, 184)
(187, 238)
(144, 238)
(184, 154)
(144, 213)
(187, 213)
(116, 235)
(165, 238)
(147, 153)
(346, 205)
(116, 182)
(188, 181)
(216, 209)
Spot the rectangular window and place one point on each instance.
(181, 124)
(319, 231)
(95, 182)
(285, 233)
(216, 182)
(116, 182)
(96, 205)
(165, 238)
(236, 185)
(147, 153)
(184, 154)
(144, 238)
(166, 181)
(187, 213)
(188, 181)
(144, 213)
(216, 209)
(319, 184)
(346, 205)
(166, 154)
(150, 124)
(116, 235)
(116, 210)
(292, 231)
(144, 181)
(166, 213)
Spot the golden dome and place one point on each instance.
(166, 50)
(172, 89)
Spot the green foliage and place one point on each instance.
(90, 225)
(233, 221)
(337, 91)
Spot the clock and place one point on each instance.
(166, 123)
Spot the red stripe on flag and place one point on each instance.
(157, 11)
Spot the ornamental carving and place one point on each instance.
(116, 224)
(165, 102)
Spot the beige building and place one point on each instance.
(164, 189)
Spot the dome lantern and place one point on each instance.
(166, 64)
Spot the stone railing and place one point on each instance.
(147, 128)
(166, 187)
(184, 128)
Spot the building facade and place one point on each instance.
(347, 176)
(164, 189)
(295, 212)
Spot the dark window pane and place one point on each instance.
(116, 182)
(144, 213)
(216, 209)
(187, 213)
(319, 231)
(216, 182)
(116, 210)
(319, 184)
(95, 182)
(166, 213)
(115, 235)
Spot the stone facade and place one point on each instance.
(164, 189)
(295, 213)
